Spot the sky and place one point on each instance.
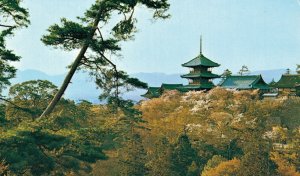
(262, 34)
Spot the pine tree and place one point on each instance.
(257, 162)
(160, 158)
(132, 155)
(183, 155)
(244, 70)
(226, 74)
(96, 46)
(12, 16)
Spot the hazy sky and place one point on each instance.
(262, 34)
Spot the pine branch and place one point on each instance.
(18, 107)
(7, 26)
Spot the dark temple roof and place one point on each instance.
(288, 81)
(153, 92)
(171, 86)
(198, 75)
(200, 86)
(245, 82)
(201, 60)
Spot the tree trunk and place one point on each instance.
(73, 69)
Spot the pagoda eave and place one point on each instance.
(199, 87)
(193, 66)
(200, 76)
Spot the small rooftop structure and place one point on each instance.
(245, 82)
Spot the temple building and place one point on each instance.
(245, 82)
(200, 76)
(155, 92)
(288, 84)
(152, 92)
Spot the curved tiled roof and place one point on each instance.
(201, 60)
(198, 75)
(170, 86)
(288, 81)
(244, 82)
(153, 92)
(199, 86)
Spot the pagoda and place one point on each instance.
(200, 76)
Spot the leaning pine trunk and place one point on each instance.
(73, 69)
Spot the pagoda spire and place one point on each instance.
(200, 45)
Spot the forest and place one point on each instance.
(198, 133)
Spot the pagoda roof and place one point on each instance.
(199, 86)
(198, 75)
(245, 82)
(288, 81)
(170, 86)
(153, 92)
(201, 60)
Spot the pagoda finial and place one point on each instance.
(200, 45)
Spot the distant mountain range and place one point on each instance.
(83, 87)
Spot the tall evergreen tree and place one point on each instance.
(12, 16)
(132, 155)
(96, 46)
(226, 73)
(183, 155)
(160, 158)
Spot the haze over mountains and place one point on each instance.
(83, 87)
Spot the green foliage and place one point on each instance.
(123, 83)
(37, 149)
(183, 156)
(228, 168)
(133, 157)
(12, 16)
(289, 114)
(257, 163)
(2, 112)
(161, 157)
(69, 35)
(226, 74)
(66, 142)
(214, 162)
(34, 95)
